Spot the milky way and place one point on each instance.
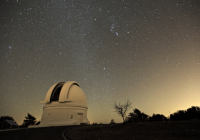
(141, 50)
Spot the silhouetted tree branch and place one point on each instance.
(30, 120)
(122, 108)
(37, 123)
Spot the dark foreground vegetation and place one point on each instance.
(180, 115)
(29, 120)
(180, 130)
(138, 116)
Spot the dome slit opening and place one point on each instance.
(56, 92)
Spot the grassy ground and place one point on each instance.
(138, 131)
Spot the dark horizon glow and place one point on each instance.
(144, 51)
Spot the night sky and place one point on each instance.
(145, 51)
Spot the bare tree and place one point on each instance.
(122, 108)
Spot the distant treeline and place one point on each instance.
(29, 120)
(192, 113)
(189, 114)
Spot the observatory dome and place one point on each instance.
(65, 104)
(69, 92)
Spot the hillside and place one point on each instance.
(187, 130)
(182, 130)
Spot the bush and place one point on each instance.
(112, 121)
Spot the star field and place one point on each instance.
(144, 51)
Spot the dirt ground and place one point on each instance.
(185, 130)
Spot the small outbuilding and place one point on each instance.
(65, 104)
(9, 124)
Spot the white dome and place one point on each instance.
(69, 92)
(77, 96)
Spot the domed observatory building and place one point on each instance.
(65, 104)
